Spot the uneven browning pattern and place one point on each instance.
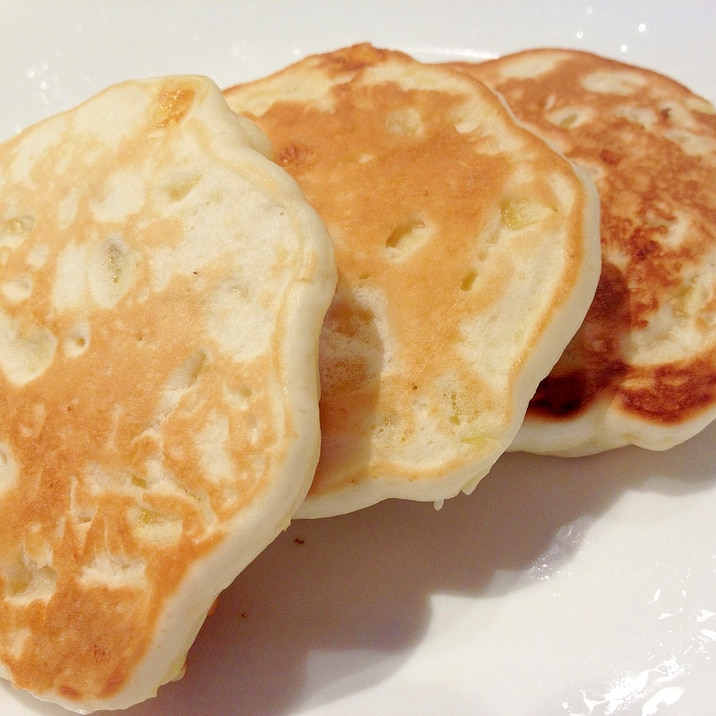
(645, 359)
(147, 270)
(445, 215)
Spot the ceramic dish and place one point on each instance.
(576, 587)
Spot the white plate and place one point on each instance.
(559, 587)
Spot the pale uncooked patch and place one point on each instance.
(27, 349)
(8, 469)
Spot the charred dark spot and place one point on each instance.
(610, 157)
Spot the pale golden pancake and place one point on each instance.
(162, 289)
(467, 255)
(642, 369)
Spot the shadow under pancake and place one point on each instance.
(593, 364)
(336, 606)
(351, 364)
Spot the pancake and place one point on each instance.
(467, 254)
(162, 289)
(642, 369)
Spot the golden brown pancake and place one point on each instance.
(162, 289)
(467, 253)
(642, 369)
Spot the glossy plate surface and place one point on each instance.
(568, 587)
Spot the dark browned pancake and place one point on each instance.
(642, 369)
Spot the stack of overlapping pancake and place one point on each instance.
(642, 369)
(467, 253)
(420, 245)
(162, 289)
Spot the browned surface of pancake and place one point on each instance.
(642, 369)
(162, 288)
(444, 214)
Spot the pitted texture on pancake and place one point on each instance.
(467, 254)
(162, 288)
(642, 369)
